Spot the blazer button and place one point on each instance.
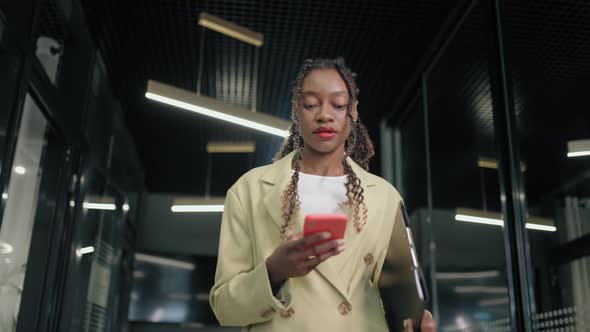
(344, 308)
(287, 313)
(368, 259)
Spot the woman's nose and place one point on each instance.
(324, 115)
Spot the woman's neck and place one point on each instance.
(324, 164)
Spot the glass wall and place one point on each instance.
(19, 210)
(454, 191)
(471, 267)
(95, 258)
(551, 75)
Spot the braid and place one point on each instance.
(358, 145)
(356, 199)
(291, 203)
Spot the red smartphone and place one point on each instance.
(335, 224)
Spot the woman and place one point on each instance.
(265, 279)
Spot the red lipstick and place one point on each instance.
(325, 132)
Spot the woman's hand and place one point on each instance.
(291, 259)
(428, 323)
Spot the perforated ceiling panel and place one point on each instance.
(161, 40)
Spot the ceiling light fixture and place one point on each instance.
(494, 302)
(480, 289)
(85, 250)
(20, 170)
(198, 205)
(212, 107)
(495, 219)
(99, 206)
(578, 148)
(467, 275)
(231, 29)
(491, 163)
(164, 261)
(231, 147)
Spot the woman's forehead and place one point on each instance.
(324, 81)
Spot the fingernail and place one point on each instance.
(341, 248)
(326, 235)
(340, 242)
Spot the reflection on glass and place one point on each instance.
(466, 221)
(553, 124)
(172, 290)
(19, 211)
(92, 296)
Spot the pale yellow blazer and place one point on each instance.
(339, 295)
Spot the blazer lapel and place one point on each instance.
(277, 178)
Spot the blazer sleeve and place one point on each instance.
(242, 292)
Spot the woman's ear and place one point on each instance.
(355, 113)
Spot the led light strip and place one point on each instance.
(197, 208)
(214, 108)
(462, 215)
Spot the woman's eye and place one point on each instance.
(340, 107)
(308, 107)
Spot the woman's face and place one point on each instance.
(323, 114)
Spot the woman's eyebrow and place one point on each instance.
(313, 93)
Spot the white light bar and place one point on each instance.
(231, 29)
(20, 170)
(85, 250)
(578, 154)
(578, 148)
(467, 275)
(479, 220)
(493, 302)
(5, 248)
(541, 227)
(480, 289)
(194, 204)
(214, 108)
(99, 206)
(495, 219)
(165, 261)
(231, 147)
(197, 208)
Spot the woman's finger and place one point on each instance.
(295, 237)
(306, 241)
(428, 322)
(316, 249)
(408, 325)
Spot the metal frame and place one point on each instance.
(510, 174)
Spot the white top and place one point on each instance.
(321, 194)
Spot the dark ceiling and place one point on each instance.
(140, 40)
(383, 41)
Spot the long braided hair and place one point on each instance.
(358, 146)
